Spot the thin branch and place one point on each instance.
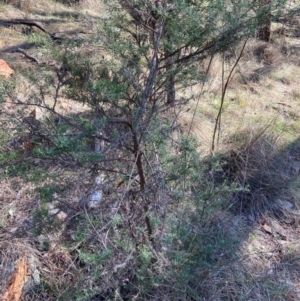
(198, 100)
(68, 121)
(224, 90)
(32, 58)
(123, 265)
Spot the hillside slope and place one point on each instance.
(245, 243)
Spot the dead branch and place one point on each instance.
(32, 58)
(52, 64)
(31, 24)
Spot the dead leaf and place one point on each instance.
(5, 70)
(267, 229)
(14, 291)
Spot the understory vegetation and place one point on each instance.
(149, 150)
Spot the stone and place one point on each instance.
(95, 199)
(57, 212)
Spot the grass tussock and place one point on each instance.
(266, 170)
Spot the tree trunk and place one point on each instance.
(264, 31)
(171, 91)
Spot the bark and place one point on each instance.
(171, 90)
(264, 32)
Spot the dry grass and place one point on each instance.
(266, 169)
(259, 128)
(265, 88)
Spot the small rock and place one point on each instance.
(267, 229)
(99, 180)
(95, 199)
(11, 212)
(53, 210)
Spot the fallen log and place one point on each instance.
(30, 23)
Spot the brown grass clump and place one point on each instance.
(265, 169)
(24, 5)
(200, 128)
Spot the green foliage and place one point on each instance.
(94, 258)
(39, 40)
(8, 157)
(47, 191)
(41, 221)
(20, 169)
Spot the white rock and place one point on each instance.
(99, 180)
(95, 199)
(53, 210)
